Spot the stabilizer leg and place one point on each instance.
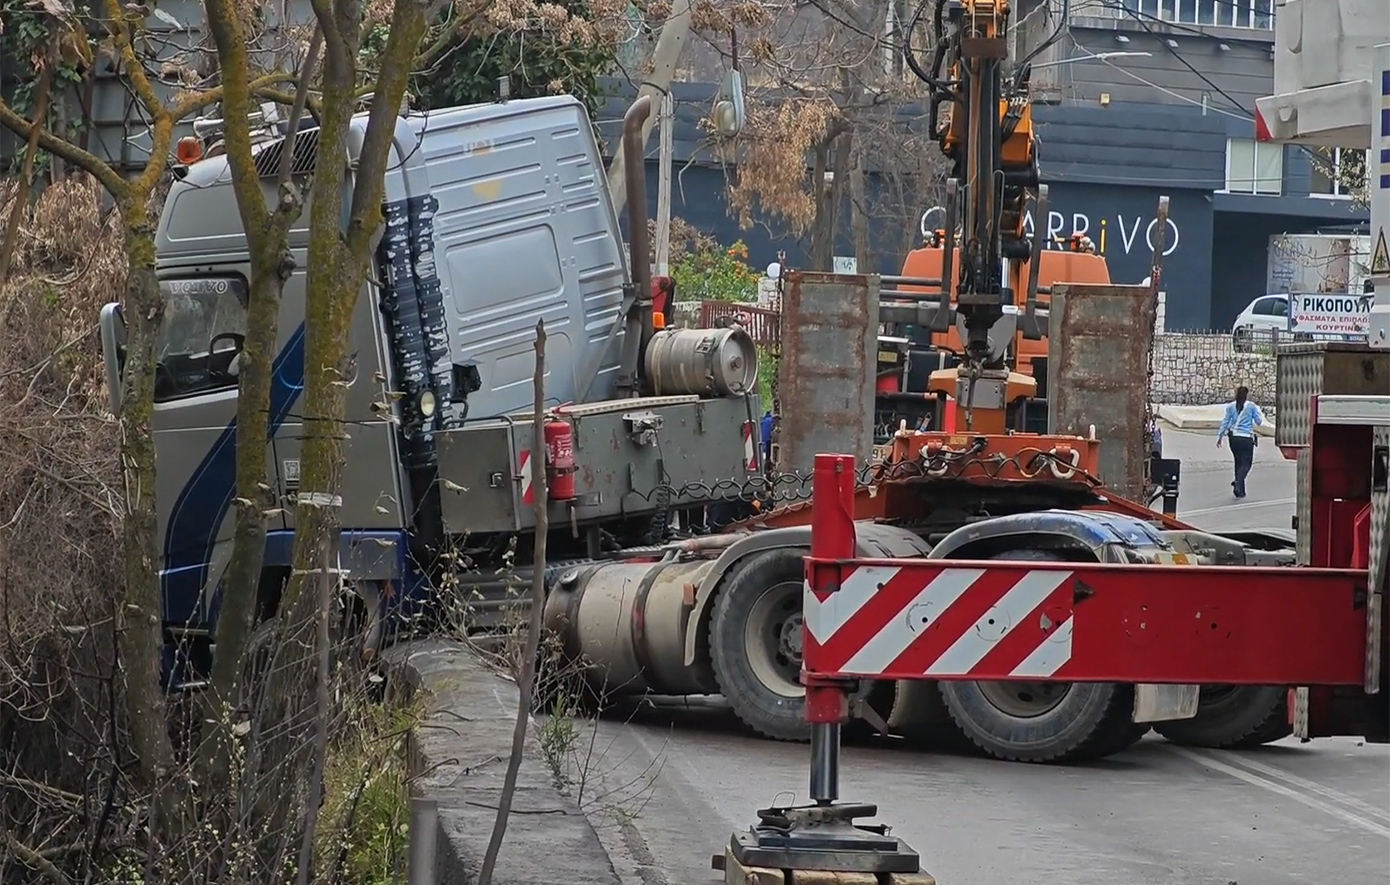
(821, 843)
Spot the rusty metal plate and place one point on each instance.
(826, 376)
(1099, 339)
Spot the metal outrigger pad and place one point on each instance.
(822, 837)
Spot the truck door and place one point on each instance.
(197, 367)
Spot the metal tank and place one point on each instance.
(625, 621)
(703, 362)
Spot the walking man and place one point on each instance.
(1242, 417)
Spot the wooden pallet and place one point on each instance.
(736, 873)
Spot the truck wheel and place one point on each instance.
(1232, 717)
(755, 647)
(1043, 721)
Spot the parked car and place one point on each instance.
(1262, 320)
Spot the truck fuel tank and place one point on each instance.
(624, 623)
(703, 362)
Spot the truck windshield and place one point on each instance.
(202, 333)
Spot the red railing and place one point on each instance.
(763, 324)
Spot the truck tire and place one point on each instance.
(1042, 721)
(755, 648)
(920, 718)
(1232, 717)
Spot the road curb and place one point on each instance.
(459, 758)
(1201, 418)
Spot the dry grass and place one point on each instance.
(59, 554)
(59, 529)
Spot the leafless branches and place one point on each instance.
(828, 96)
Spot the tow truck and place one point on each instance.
(726, 614)
(1318, 626)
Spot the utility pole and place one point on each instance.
(663, 187)
(665, 57)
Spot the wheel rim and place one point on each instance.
(772, 638)
(1024, 700)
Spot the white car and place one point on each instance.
(1262, 320)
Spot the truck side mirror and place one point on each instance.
(113, 342)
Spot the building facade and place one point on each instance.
(1142, 97)
(1134, 99)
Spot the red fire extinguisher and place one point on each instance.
(559, 460)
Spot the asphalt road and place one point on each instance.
(1204, 496)
(666, 786)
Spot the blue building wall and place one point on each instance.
(1106, 167)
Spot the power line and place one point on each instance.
(1188, 28)
(1139, 18)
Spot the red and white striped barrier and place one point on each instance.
(750, 446)
(950, 622)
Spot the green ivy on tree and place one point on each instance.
(25, 35)
(469, 70)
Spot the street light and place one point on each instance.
(1096, 56)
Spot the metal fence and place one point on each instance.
(1190, 368)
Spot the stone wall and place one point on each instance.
(1194, 369)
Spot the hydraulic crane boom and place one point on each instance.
(988, 137)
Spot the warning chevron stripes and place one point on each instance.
(959, 622)
(1080, 622)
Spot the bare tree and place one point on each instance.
(834, 130)
(138, 615)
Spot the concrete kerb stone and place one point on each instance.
(1202, 418)
(459, 758)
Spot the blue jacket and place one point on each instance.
(1242, 424)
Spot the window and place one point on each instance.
(203, 331)
(1220, 13)
(1271, 307)
(1254, 167)
(1337, 172)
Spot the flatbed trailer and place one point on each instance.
(1316, 629)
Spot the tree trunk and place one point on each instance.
(864, 257)
(833, 151)
(140, 617)
(267, 242)
(296, 718)
(665, 57)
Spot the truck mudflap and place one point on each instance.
(1084, 622)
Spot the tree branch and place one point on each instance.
(197, 101)
(526, 679)
(445, 39)
(84, 160)
(407, 26)
(333, 43)
(33, 859)
(230, 39)
(301, 98)
(119, 27)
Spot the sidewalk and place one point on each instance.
(460, 752)
(1203, 418)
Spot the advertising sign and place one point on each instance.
(1323, 313)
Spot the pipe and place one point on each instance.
(424, 834)
(635, 171)
(702, 543)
